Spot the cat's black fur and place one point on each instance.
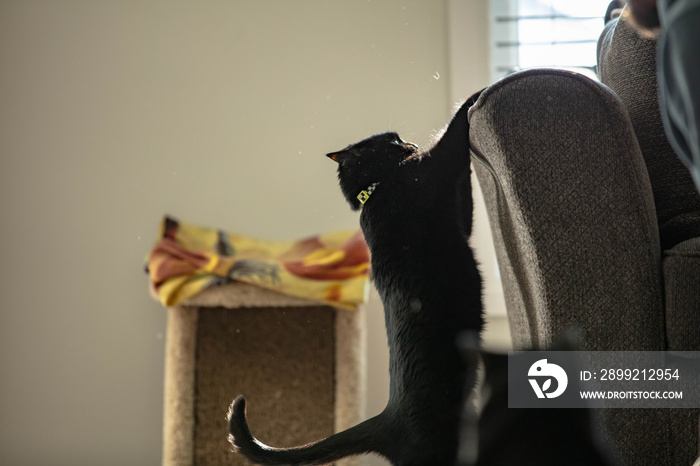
(417, 223)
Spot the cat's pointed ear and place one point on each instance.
(339, 156)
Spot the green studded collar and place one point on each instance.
(364, 195)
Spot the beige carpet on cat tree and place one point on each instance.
(300, 365)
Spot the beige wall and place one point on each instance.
(219, 113)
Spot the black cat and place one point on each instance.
(416, 217)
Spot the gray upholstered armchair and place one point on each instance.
(595, 222)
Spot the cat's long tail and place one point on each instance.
(356, 440)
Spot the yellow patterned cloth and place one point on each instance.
(332, 268)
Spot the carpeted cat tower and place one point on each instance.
(280, 323)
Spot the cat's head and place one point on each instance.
(369, 161)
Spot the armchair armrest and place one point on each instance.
(571, 211)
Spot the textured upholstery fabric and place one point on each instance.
(627, 64)
(574, 222)
(681, 267)
(571, 211)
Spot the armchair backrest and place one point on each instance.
(627, 64)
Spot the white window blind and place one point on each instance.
(544, 33)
